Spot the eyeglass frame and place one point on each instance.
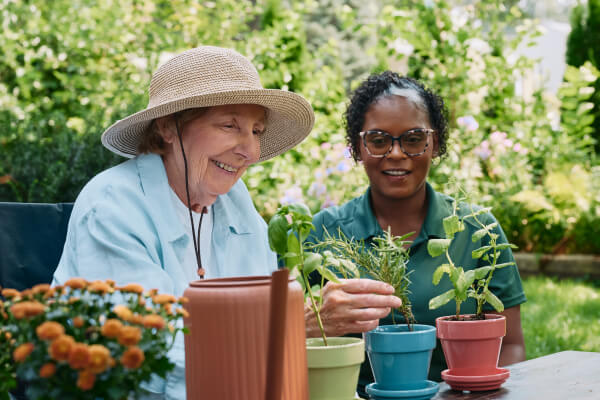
(399, 139)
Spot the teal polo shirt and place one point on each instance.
(357, 220)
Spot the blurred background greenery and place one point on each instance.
(527, 152)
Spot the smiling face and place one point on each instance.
(396, 176)
(219, 145)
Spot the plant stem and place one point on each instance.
(315, 309)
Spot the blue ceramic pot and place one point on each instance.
(400, 358)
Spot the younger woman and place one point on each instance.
(396, 127)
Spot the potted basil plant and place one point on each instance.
(333, 362)
(471, 343)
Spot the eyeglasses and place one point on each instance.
(413, 142)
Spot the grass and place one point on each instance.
(560, 315)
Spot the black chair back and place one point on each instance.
(32, 236)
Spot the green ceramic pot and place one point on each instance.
(333, 369)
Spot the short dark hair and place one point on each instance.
(379, 85)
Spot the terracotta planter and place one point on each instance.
(229, 341)
(472, 349)
(333, 369)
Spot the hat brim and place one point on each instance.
(290, 119)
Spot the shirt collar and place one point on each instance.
(439, 206)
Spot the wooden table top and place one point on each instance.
(565, 375)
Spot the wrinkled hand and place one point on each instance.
(351, 306)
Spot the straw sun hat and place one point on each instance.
(213, 76)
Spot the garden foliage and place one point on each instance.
(65, 77)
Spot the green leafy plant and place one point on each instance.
(472, 283)
(288, 231)
(386, 260)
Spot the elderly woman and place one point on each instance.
(177, 210)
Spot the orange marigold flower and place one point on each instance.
(168, 309)
(183, 312)
(22, 352)
(60, 348)
(152, 292)
(47, 370)
(154, 321)
(163, 299)
(76, 283)
(111, 328)
(142, 301)
(27, 294)
(99, 358)
(100, 287)
(110, 282)
(132, 288)
(10, 293)
(132, 358)
(130, 335)
(27, 309)
(136, 319)
(123, 312)
(79, 356)
(73, 300)
(78, 322)
(183, 300)
(40, 288)
(7, 335)
(49, 293)
(49, 330)
(86, 380)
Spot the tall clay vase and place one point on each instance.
(400, 357)
(229, 341)
(333, 369)
(472, 350)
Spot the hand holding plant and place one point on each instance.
(385, 261)
(77, 341)
(472, 283)
(288, 230)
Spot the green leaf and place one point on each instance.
(300, 209)
(311, 261)
(293, 256)
(469, 277)
(437, 247)
(480, 251)
(440, 271)
(330, 276)
(452, 225)
(351, 268)
(478, 235)
(441, 300)
(494, 301)
(482, 272)
(278, 232)
(507, 264)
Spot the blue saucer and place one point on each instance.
(428, 391)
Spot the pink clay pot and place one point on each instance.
(472, 348)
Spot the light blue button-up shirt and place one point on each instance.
(124, 227)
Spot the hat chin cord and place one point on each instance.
(196, 237)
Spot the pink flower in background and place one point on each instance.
(317, 189)
(483, 150)
(468, 122)
(329, 202)
(498, 137)
(292, 195)
(519, 149)
(326, 145)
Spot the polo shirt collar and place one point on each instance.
(439, 206)
(364, 225)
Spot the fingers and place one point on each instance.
(364, 286)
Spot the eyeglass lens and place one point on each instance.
(379, 143)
